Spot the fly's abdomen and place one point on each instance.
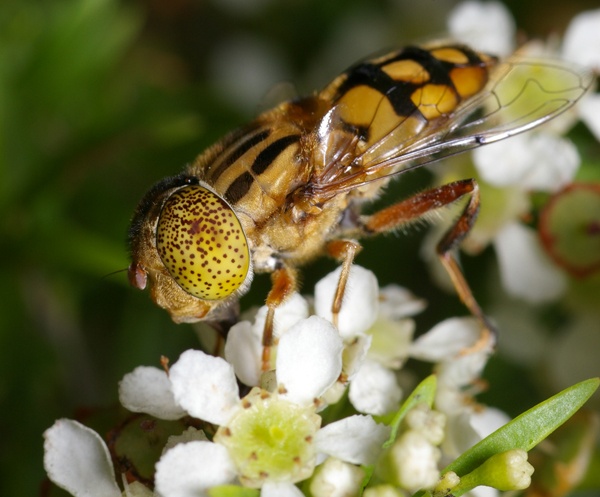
(391, 99)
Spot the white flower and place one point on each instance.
(77, 460)
(429, 423)
(582, 39)
(488, 26)
(359, 305)
(530, 161)
(396, 302)
(266, 439)
(243, 349)
(189, 469)
(374, 389)
(469, 427)
(337, 478)
(414, 460)
(356, 439)
(580, 45)
(383, 491)
(143, 386)
(525, 269)
(378, 332)
(454, 345)
(393, 329)
(589, 111)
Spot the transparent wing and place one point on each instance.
(521, 94)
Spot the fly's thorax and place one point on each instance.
(301, 238)
(256, 168)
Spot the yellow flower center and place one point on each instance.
(270, 438)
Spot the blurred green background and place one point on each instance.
(101, 98)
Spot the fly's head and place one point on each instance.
(188, 246)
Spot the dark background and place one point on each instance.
(101, 98)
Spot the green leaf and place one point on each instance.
(528, 429)
(424, 392)
(232, 491)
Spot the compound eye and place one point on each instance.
(202, 244)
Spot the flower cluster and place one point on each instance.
(274, 436)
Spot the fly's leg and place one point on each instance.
(344, 251)
(416, 207)
(283, 285)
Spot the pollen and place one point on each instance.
(271, 440)
(205, 261)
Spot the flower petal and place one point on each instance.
(188, 470)
(415, 460)
(294, 309)
(360, 303)
(462, 370)
(391, 341)
(355, 354)
(280, 489)
(554, 162)
(337, 478)
(582, 39)
(428, 422)
(589, 111)
(525, 270)
(466, 366)
(356, 439)
(205, 386)
(374, 389)
(488, 26)
(309, 359)
(77, 459)
(191, 434)
(445, 340)
(148, 389)
(243, 350)
(537, 161)
(396, 302)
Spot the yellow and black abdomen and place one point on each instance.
(390, 100)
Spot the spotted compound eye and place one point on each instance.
(201, 242)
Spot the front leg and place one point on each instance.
(284, 283)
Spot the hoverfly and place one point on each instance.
(289, 186)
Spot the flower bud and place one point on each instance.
(505, 471)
